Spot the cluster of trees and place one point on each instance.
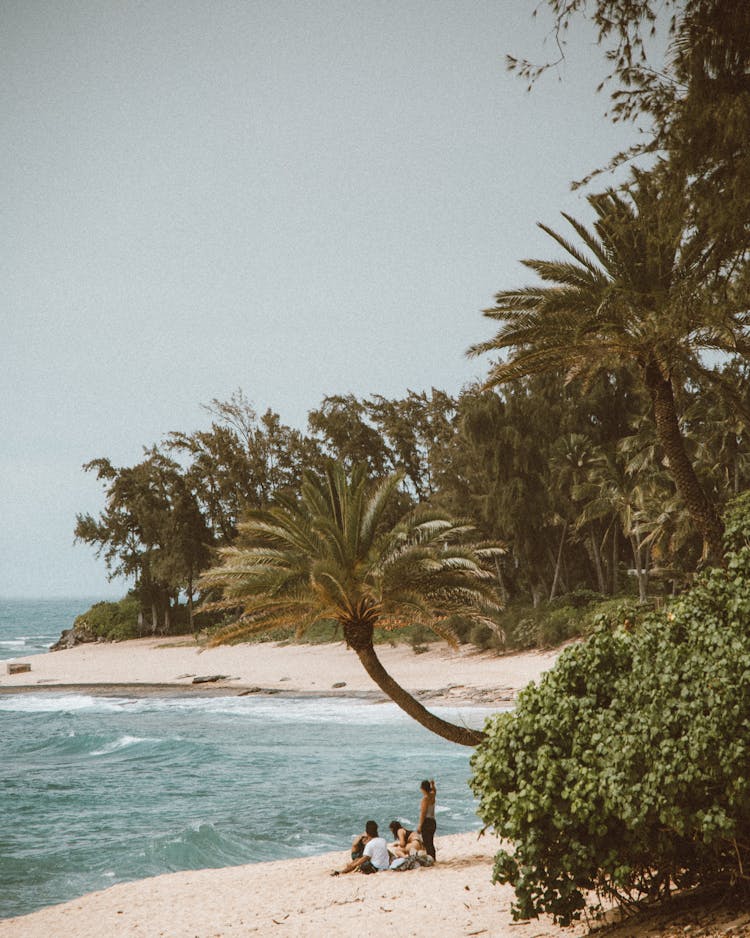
(612, 426)
(597, 457)
(625, 771)
(570, 480)
(165, 515)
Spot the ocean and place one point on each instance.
(30, 626)
(97, 790)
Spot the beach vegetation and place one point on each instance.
(633, 290)
(335, 554)
(151, 530)
(612, 428)
(110, 621)
(625, 771)
(584, 505)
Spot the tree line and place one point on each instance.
(611, 426)
(569, 479)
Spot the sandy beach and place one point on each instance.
(299, 897)
(296, 898)
(439, 675)
(292, 897)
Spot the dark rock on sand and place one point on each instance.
(72, 637)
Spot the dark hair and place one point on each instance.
(395, 826)
(426, 787)
(371, 829)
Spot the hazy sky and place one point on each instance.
(294, 198)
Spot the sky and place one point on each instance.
(293, 198)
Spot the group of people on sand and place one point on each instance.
(371, 853)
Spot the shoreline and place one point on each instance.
(440, 676)
(299, 898)
(188, 690)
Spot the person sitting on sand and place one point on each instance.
(426, 827)
(405, 842)
(375, 854)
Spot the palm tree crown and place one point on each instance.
(333, 555)
(634, 292)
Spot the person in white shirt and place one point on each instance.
(375, 856)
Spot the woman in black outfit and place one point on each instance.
(405, 842)
(427, 826)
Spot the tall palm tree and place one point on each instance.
(333, 555)
(634, 292)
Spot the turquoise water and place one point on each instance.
(97, 790)
(30, 626)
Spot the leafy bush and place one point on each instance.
(581, 598)
(627, 769)
(548, 624)
(113, 621)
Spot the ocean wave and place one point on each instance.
(253, 710)
(197, 846)
(122, 743)
(344, 710)
(60, 703)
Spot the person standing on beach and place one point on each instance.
(375, 856)
(427, 826)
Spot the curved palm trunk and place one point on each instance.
(358, 634)
(680, 468)
(402, 698)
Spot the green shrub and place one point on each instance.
(557, 626)
(627, 769)
(113, 621)
(581, 598)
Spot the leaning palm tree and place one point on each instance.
(332, 555)
(636, 291)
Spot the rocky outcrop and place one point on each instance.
(209, 678)
(78, 635)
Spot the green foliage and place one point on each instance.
(627, 769)
(632, 289)
(113, 621)
(691, 101)
(335, 554)
(521, 626)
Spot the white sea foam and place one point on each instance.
(59, 703)
(13, 642)
(121, 743)
(316, 710)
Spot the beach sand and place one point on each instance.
(299, 897)
(439, 675)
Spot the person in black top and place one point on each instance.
(427, 826)
(405, 842)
